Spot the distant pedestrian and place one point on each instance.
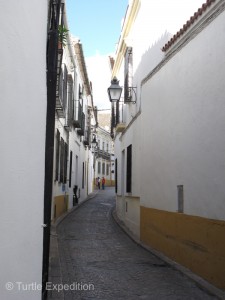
(99, 181)
(103, 183)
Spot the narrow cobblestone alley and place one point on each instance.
(104, 263)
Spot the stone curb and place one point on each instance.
(203, 284)
(67, 213)
(54, 248)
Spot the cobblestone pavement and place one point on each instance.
(100, 261)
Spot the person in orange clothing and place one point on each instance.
(103, 183)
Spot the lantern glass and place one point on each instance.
(114, 91)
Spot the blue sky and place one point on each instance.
(97, 23)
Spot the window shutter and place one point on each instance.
(57, 155)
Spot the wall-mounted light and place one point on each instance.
(94, 145)
(114, 91)
(94, 142)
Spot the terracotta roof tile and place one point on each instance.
(189, 23)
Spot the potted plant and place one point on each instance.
(62, 34)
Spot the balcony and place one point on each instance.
(61, 92)
(87, 137)
(120, 127)
(118, 118)
(77, 122)
(104, 154)
(69, 107)
(59, 76)
(81, 130)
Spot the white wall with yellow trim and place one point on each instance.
(176, 129)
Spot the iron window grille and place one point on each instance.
(57, 155)
(128, 75)
(70, 108)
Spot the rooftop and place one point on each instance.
(188, 24)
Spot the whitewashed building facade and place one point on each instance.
(45, 130)
(103, 157)
(73, 159)
(23, 128)
(168, 131)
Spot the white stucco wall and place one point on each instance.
(184, 111)
(80, 153)
(22, 126)
(154, 24)
(152, 27)
(175, 140)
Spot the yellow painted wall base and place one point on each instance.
(110, 182)
(195, 242)
(107, 183)
(60, 205)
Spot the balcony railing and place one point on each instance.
(104, 154)
(70, 102)
(59, 77)
(61, 93)
(118, 117)
(77, 122)
(87, 137)
(81, 130)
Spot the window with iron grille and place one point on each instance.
(61, 173)
(70, 174)
(57, 155)
(61, 86)
(65, 75)
(70, 102)
(129, 169)
(107, 169)
(80, 131)
(128, 74)
(65, 162)
(116, 175)
(63, 78)
(103, 168)
(83, 176)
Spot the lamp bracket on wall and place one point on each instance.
(132, 90)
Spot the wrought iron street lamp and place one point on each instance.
(94, 142)
(114, 91)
